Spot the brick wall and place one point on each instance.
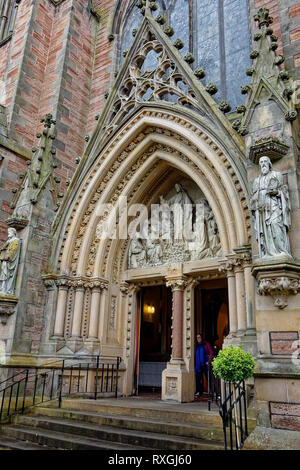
(102, 64)
(286, 14)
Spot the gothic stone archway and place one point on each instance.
(95, 307)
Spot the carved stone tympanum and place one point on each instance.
(179, 230)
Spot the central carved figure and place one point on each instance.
(179, 230)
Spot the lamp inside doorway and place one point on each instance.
(148, 312)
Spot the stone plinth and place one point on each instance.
(177, 383)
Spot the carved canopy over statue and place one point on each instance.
(177, 231)
(270, 205)
(9, 262)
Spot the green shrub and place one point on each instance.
(233, 364)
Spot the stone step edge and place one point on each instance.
(128, 432)
(205, 414)
(70, 438)
(202, 425)
(202, 414)
(16, 444)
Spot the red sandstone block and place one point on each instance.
(295, 35)
(294, 11)
(283, 335)
(290, 409)
(291, 423)
(283, 347)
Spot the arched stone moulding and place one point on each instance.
(219, 173)
(139, 162)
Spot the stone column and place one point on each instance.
(178, 286)
(78, 308)
(249, 283)
(228, 268)
(240, 298)
(63, 287)
(176, 380)
(95, 311)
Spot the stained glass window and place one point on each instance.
(216, 32)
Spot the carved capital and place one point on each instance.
(62, 283)
(177, 284)
(279, 288)
(124, 289)
(240, 261)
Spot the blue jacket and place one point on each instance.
(200, 357)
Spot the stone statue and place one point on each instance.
(182, 208)
(9, 261)
(270, 207)
(137, 253)
(214, 241)
(201, 243)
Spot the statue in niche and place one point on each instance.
(270, 205)
(201, 244)
(182, 210)
(9, 262)
(213, 233)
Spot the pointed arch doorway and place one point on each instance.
(154, 337)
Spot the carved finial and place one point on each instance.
(263, 17)
(48, 121)
(39, 172)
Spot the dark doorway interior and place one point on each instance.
(155, 336)
(211, 313)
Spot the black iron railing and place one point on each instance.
(92, 377)
(233, 411)
(213, 387)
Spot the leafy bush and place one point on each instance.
(233, 364)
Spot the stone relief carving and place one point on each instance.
(179, 230)
(9, 262)
(270, 205)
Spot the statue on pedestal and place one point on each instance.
(270, 205)
(9, 262)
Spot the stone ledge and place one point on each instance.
(272, 439)
(14, 147)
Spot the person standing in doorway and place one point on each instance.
(201, 363)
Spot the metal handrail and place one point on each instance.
(233, 411)
(56, 383)
(213, 386)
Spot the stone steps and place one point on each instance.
(202, 432)
(51, 438)
(161, 411)
(110, 424)
(72, 435)
(11, 443)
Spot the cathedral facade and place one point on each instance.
(150, 189)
